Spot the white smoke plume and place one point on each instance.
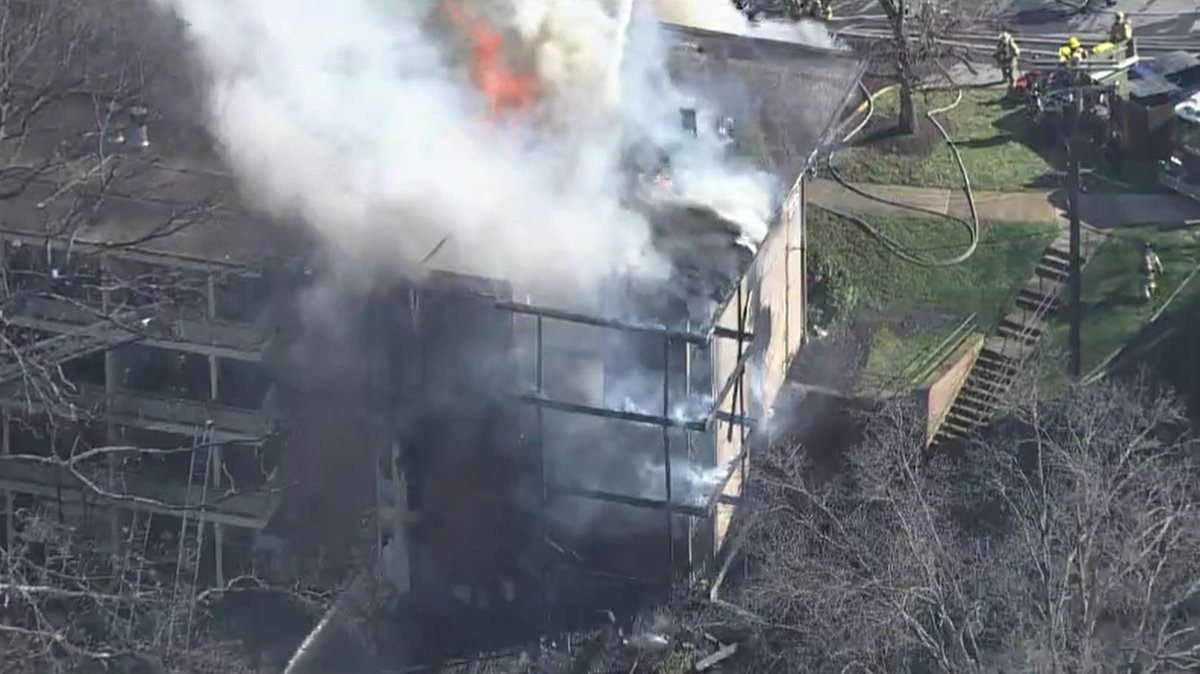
(691, 482)
(360, 119)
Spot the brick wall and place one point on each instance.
(943, 389)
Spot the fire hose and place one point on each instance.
(895, 247)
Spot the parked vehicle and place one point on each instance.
(1180, 170)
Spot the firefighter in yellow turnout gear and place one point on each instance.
(822, 10)
(1121, 33)
(1072, 52)
(1152, 266)
(811, 9)
(1120, 37)
(1008, 56)
(1121, 30)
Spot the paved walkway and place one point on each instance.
(1102, 210)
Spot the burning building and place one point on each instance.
(484, 444)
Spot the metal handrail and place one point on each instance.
(1038, 314)
(948, 347)
(918, 367)
(993, 387)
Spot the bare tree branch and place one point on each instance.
(1062, 541)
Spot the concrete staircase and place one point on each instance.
(1014, 339)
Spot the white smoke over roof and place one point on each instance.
(360, 119)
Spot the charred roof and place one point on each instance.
(781, 96)
(782, 99)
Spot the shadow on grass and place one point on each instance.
(1168, 351)
(1117, 299)
(877, 133)
(1008, 101)
(1046, 181)
(984, 143)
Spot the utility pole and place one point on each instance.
(1076, 266)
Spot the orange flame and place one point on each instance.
(503, 88)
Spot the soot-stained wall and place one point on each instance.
(431, 373)
(466, 456)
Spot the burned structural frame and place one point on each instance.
(692, 341)
(759, 324)
(734, 337)
(745, 357)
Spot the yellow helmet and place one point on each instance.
(1073, 42)
(1119, 16)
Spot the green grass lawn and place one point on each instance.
(991, 133)
(897, 290)
(1169, 351)
(1114, 310)
(998, 143)
(1006, 255)
(677, 662)
(894, 360)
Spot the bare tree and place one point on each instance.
(80, 83)
(68, 605)
(1063, 542)
(918, 45)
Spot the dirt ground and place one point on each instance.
(882, 135)
(837, 360)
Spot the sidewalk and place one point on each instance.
(1102, 210)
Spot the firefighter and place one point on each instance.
(1072, 52)
(1152, 266)
(820, 9)
(1120, 33)
(1007, 56)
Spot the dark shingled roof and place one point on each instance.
(783, 98)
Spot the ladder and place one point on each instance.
(141, 552)
(191, 535)
(53, 351)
